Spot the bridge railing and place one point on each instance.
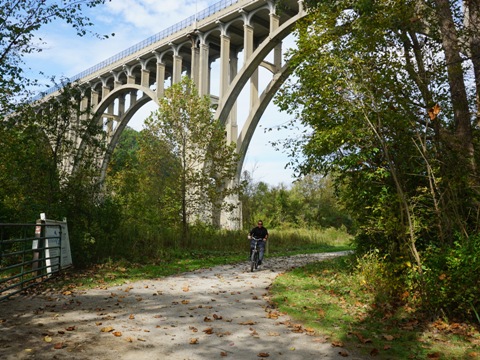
(26, 256)
(212, 9)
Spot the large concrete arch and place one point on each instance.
(223, 31)
(148, 95)
(231, 96)
(256, 113)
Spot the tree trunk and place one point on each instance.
(472, 8)
(458, 93)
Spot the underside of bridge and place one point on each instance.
(122, 84)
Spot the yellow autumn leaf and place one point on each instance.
(47, 339)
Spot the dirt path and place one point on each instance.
(217, 313)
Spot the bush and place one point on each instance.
(451, 278)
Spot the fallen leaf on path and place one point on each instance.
(223, 353)
(361, 338)
(217, 317)
(107, 329)
(273, 315)
(186, 288)
(47, 339)
(263, 355)
(193, 328)
(193, 341)
(70, 328)
(58, 346)
(131, 317)
(208, 331)
(343, 353)
(250, 322)
(337, 344)
(117, 333)
(273, 333)
(129, 339)
(388, 337)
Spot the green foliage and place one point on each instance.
(207, 165)
(389, 107)
(311, 202)
(21, 20)
(450, 278)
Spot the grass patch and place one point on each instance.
(331, 299)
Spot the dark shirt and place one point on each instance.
(259, 232)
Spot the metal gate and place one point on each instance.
(26, 256)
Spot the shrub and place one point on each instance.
(451, 278)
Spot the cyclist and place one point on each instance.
(258, 232)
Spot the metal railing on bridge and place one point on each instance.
(27, 256)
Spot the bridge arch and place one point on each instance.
(221, 33)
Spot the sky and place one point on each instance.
(64, 55)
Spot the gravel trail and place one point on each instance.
(217, 313)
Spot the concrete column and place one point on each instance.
(105, 92)
(224, 64)
(232, 127)
(117, 84)
(94, 99)
(160, 79)
(204, 70)
(277, 51)
(195, 66)
(130, 79)
(121, 105)
(145, 81)
(248, 51)
(133, 97)
(177, 69)
(83, 107)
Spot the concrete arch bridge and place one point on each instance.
(119, 86)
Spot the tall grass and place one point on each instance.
(153, 246)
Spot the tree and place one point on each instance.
(20, 20)
(184, 122)
(388, 89)
(379, 81)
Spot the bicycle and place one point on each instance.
(255, 254)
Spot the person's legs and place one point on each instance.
(252, 245)
(261, 246)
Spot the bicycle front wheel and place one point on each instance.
(254, 261)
